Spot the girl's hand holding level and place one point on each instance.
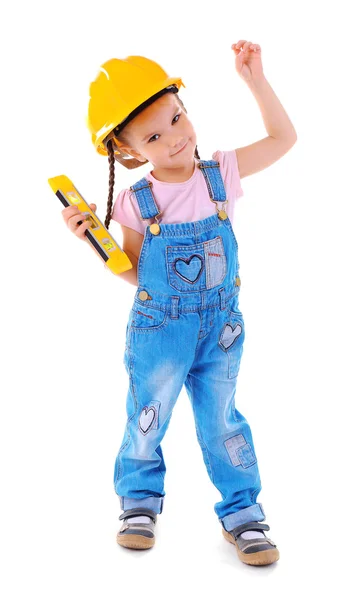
(75, 222)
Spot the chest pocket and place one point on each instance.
(196, 267)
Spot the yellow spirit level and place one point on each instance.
(105, 245)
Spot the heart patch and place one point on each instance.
(147, 419)
(229, 335)
(189, 268)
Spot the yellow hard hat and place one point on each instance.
(121, 87)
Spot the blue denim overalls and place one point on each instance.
(185, 327)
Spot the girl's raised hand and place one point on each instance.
(72, 215)
(248, 60)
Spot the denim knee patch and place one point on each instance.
(148, 419)
(231, 342)
(229, 335)
(240, 452)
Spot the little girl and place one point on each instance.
(185, 325)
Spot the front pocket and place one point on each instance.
(147, 318)
(196, 267)
(233, 310)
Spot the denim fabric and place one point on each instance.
(189, 330)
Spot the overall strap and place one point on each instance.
(145, 198)
(215, 183)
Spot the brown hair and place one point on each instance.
(129, 163)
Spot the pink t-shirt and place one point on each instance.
(185, 201)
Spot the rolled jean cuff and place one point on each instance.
(151, 502)
(245, 515)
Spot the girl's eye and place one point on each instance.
(151, 139)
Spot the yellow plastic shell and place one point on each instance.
(119, 88)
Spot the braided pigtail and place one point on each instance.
(111, 158)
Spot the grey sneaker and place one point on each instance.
(253, 551)
(137, 530)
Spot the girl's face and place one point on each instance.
(159, 132)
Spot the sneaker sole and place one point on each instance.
(135, 542)
(264, 557)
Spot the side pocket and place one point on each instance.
(127, 342)
(147, 319)
(126, 360)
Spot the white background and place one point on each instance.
(63, 381)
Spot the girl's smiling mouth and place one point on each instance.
(181, 149)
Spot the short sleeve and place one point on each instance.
(229, 171)
(126, 212)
